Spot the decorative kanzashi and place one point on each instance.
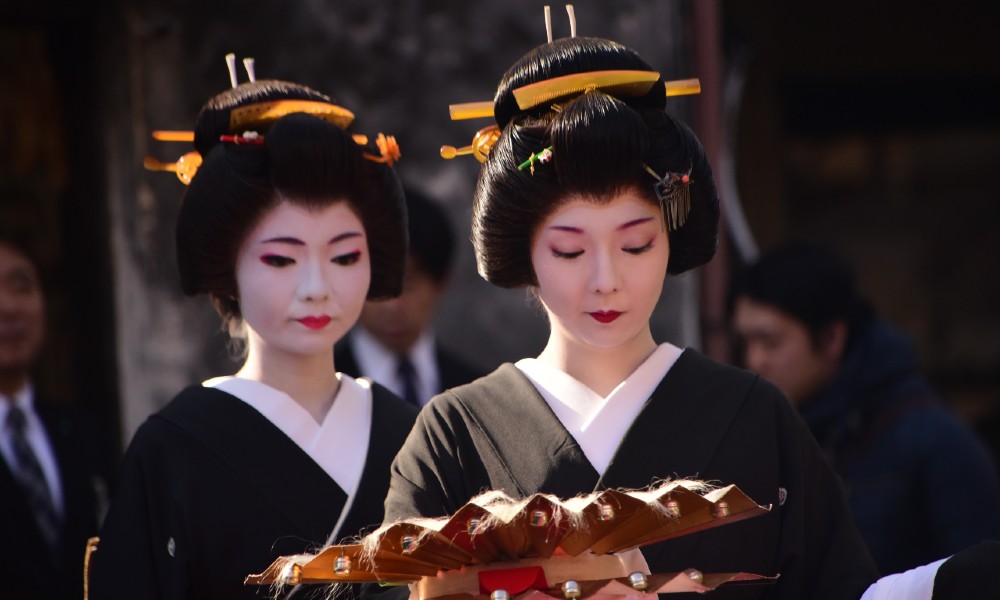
(388, 149)
(501, 547)
(543, 156)
(259, 117)
(673, 191)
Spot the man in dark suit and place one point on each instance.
(50, 493)
(394, 342)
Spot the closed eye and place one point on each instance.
(347, 259)
(566, 255)
(276, 260)
(640, 249)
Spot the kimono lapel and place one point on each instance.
(537, 451)
(676, 435)
(679, 429)
(260, 454)
(392, 419)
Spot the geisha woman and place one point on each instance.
(288, 226)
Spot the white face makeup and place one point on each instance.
(302, 277)
(600, 269)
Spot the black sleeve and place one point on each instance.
(428, 474)
(131, 561)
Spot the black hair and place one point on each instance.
(432, 239)
(810, 282)
(303, 160)
(602, 145)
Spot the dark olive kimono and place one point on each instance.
(704, 420)
(211, 491)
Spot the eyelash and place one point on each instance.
(347, 259)
(275, 260)
(641, 249)
(572, 255)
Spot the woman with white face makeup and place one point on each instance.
(288, 226)
(590, 197)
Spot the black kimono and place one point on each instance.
(211, 491)
(704, 420)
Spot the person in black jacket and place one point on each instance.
(921, 486)
(394, 342)
(53, 485)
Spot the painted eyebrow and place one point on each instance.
(297, 242)
(621, 227)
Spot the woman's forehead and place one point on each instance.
(623, 210)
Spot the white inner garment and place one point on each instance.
(597, 423)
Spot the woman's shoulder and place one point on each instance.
(503, 379)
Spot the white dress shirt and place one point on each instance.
(37, 438)
(597, 423)
(380, 364)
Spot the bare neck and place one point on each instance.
(309, 380)
(600, 369)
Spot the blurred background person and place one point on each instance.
(921, 485)
(394, 342)
(52, 490)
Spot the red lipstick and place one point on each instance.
(605, 316)
(315, 322)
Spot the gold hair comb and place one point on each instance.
(618, 83)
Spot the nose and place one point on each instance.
(606, 275)
(313, 286)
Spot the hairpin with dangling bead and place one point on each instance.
(673, 191)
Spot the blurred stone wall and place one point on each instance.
(397, 65)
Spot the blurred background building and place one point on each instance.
(871, 126)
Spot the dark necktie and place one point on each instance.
(408, 376)
(29, 474)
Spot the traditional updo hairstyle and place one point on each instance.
(600, 145)
(303, 160)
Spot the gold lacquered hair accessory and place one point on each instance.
(246, 121)
(261, 115)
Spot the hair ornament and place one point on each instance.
(260, 116)
(185, 167)
(482, 143)
(543, 156)
(231, 63)
(248, 64)
(619, 83)
(548, 23)
(250, 138)
(673, 191)
(388, 150)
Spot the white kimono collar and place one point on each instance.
(339, 445)
(599, 424)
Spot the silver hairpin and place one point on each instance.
(231, 63)
(548, 23)
(248, 65)
(572, 20)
